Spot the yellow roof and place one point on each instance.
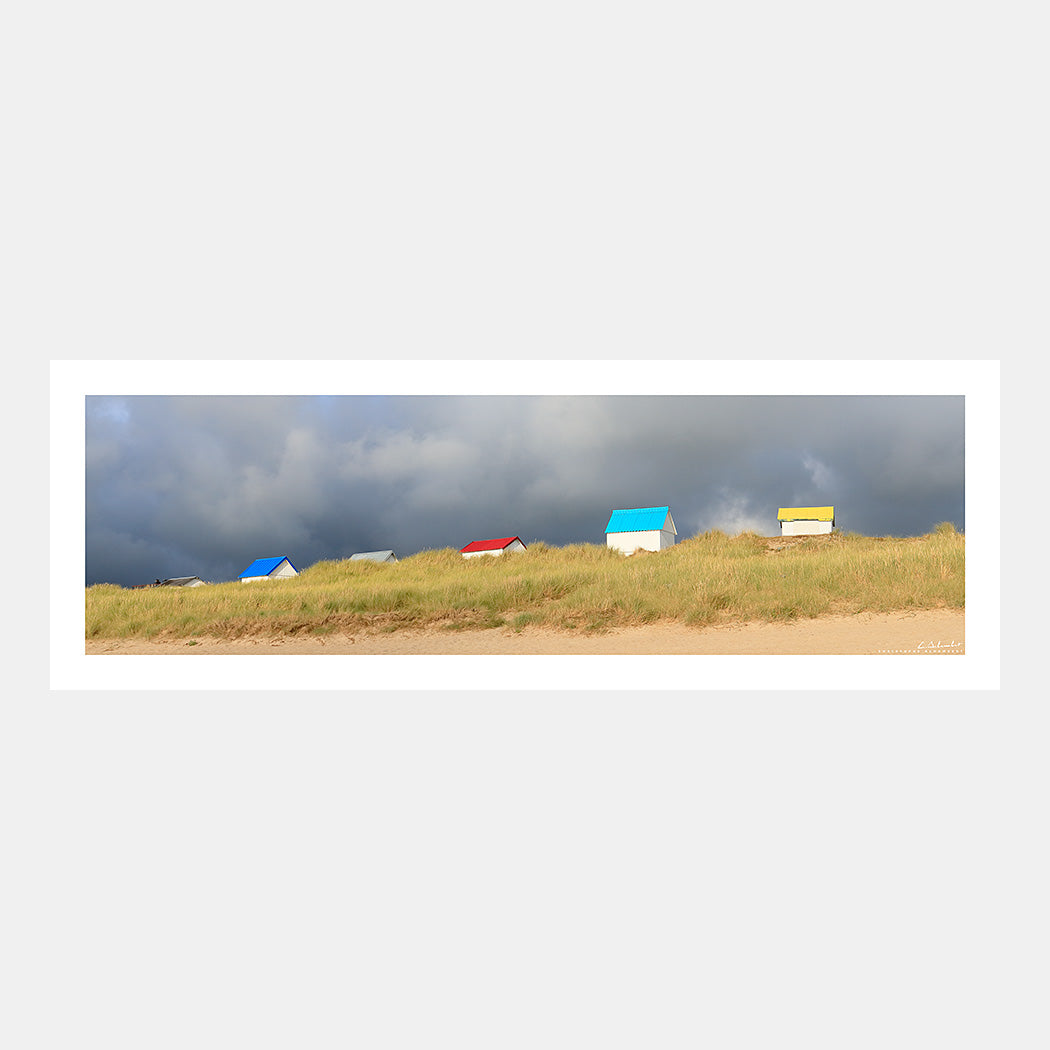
(806, 514)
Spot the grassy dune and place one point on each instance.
(711, 578)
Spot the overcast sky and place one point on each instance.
(203, 485)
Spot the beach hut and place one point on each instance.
(174, 581)
(642, 528)
(381, 556)
(806, 521)
(269, 569)
(501, 546)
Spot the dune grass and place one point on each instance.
(709, 579)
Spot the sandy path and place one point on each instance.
(936, 632)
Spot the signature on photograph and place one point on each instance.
(946, 648)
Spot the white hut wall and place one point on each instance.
(628, 542)
(805, 528)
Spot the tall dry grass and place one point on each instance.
(711, 578)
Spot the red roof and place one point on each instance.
(490, 545)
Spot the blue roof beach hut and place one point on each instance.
(642, 528)
(269, 569)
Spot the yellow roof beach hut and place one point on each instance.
(806, 521)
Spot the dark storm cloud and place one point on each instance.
(203, 485)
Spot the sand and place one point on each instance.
(936, 632)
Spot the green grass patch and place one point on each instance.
(708, 579)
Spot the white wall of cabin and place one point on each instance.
(629, 542)
(805, 528)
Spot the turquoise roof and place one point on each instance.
(641, 519)
(263, 567)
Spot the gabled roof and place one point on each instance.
(264, 566)
(179, 581)
(806, 514)
(372, 556)
(489, 545)
(640, 519)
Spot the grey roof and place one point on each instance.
(374, 556)
(180, 581)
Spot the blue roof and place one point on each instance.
(641, 519)
(264, 566)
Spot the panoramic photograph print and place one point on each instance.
(524, 524)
